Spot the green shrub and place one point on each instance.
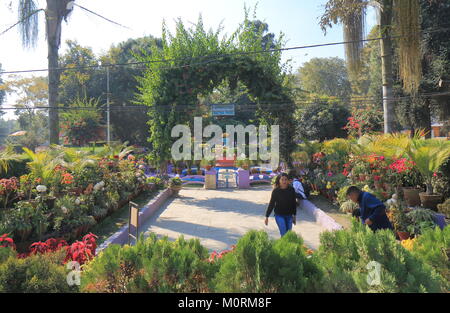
(433, 248)
(34, 274)
(151, 265)
(259, 264)
(346, 255)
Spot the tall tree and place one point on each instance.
(55, 12)
(325, 76)
(401, 16)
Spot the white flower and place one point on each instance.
(64, 209)
(142, 167)
(99, 185)
(77, 201)
(138, 174)
(41, 188)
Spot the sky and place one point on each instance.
(297, 19)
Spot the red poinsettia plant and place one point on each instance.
(79, 251)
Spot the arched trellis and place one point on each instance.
(168, 88)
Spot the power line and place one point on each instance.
(101, 16)
(20, 21)
(181, 107)
(215, 57)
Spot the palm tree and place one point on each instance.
(401, 16)
(56, 11)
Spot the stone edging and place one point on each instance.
(320, 216)
(147, 211)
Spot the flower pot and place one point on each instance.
(175, 190)
(50, 201)
(403, 235)
(430, 201)
(378, 185)
(24, 234)
(411, 196)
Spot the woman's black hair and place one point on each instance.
(277, 180)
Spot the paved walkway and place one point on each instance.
(220, 217)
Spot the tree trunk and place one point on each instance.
(386, 12)
(55, 12)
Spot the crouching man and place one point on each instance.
(371, 210)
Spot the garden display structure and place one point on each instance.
(199, 61)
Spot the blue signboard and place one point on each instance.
(222, 110)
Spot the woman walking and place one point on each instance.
(284, 202)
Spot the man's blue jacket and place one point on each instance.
(374, 210)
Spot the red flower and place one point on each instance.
(39, 247)
(6, 242)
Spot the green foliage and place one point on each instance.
(428, 155)
(433, 248)
(326, 77)
(441, 182)
(419, 220)
(444, 208)
(259, 264)
(81, 126)
(34, 274)
(151, 265)
(323, 119)
(345, 256)
(167, 87)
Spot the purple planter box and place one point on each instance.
(320, 216)
(243, 178)
(121, 236)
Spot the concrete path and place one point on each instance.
(220, 217)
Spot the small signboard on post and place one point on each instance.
(133, 221)
(222, 110)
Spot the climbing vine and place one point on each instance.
(196, 62)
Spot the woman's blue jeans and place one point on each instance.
(284, 223)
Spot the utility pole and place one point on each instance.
(108, 136)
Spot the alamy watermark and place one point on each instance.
(213, 149)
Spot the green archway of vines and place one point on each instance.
(198, 62)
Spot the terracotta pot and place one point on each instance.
(378, 185)
(430, 201)
(403, 235)
(411, 196)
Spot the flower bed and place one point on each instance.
(395, 168)
(66, 192)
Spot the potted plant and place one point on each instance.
(428, 155)
(207, 164)
(243, 163)
(400, 221)
(420, 220)
(175, 184)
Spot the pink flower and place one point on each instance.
(330, 174)
(435, 174)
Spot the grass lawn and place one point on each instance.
(118, 219)
(332, 210)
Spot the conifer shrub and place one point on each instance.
(348, 259)
(152, 265)
(433, 248)
(40, 273)
(259, 264)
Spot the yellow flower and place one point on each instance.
(408, 244)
